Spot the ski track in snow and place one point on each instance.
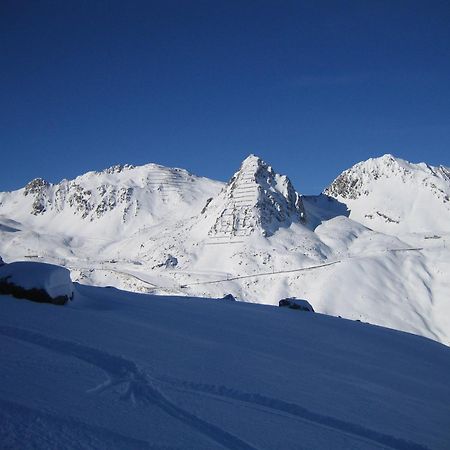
(293, 409)
(139, 387)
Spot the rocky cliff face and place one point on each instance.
(83, 196)
(255, 199)
(84, 202)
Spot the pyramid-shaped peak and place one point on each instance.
(256, 197)
(251, 157)
(252, 160)
(252, 164)
(255, 170)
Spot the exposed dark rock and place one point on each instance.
(34, 294)
(296, 303)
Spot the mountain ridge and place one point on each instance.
(276, 244)
(147, 193)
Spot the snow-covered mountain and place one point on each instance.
(394, 196)
(115, 202)
(255, 237)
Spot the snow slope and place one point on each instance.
(119, 370)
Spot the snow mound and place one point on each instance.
(44, 283)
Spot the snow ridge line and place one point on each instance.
(138, 386)
(296, 410)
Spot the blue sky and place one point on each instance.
(312, 87)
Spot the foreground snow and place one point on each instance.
(119, 370)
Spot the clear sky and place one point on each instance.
(311, 87)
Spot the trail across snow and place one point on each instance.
(138, 386)
(142, 388)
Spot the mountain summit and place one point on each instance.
(255, 198)
(392, 195)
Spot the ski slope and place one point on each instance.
(113, 369)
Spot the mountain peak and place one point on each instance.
(255, 198)
(388, 192)
(387, 157)
(354, 182)
(252, 165)
(252, 160)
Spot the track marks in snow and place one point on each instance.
(293, 409)
(139, 387)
